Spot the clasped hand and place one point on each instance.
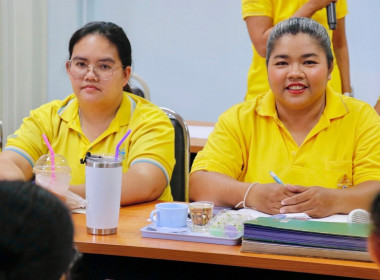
(274, 198)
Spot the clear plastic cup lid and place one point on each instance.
(44, 164)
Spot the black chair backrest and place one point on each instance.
(138, 91)
(179, 182)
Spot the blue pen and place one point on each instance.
(274, 176)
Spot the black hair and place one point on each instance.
(375, 214)
(114, 33)
(36, 236)
(296, 25)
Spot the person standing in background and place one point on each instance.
(260, 17)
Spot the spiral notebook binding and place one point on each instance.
(358, 216)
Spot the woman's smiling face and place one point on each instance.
(298, 72)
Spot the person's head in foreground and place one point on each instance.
(374, 237)
(36, 233)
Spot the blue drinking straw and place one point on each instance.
(274, 176)
(121, 141)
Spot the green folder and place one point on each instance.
(349, 236)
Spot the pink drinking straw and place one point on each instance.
(51, 155)
(118, 144)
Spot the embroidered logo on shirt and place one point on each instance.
(344, 182)
(122, 153)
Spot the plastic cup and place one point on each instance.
(56, 180)
(201, 213)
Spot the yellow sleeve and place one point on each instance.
(341, 9)
(256, 8)
(152, 139)
(367, 152)
(223, 150)
(27, 139)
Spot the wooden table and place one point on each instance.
(129, 242)
(196, 143)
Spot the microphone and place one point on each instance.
(331, 15)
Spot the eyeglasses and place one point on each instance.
(102, 70)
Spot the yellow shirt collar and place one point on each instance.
(69, 112)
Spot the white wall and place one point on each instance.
(23, 59)
(64, 17)
(195, 54)
(363, 34)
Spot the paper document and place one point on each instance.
(300, 216)
(198, 131)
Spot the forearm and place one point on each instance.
(340, 47)
(11, 172)
(14, 167)
(79, 190)
(359, 196)
(132, 192)
(377, 106)
(343, 63)
(143, 182)
(310, 7)
(216, 187)
(260, 27)
(140, 191)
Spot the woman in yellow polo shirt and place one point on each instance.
(260, 17)
(324, 146)
(95, 118)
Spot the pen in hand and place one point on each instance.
(274, 176)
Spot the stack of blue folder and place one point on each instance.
(306, 238)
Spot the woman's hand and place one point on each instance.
(267, 197)
(317, 202)
(320, 4)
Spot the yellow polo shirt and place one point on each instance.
(249, 140)
(151, 138)
(280, 10)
